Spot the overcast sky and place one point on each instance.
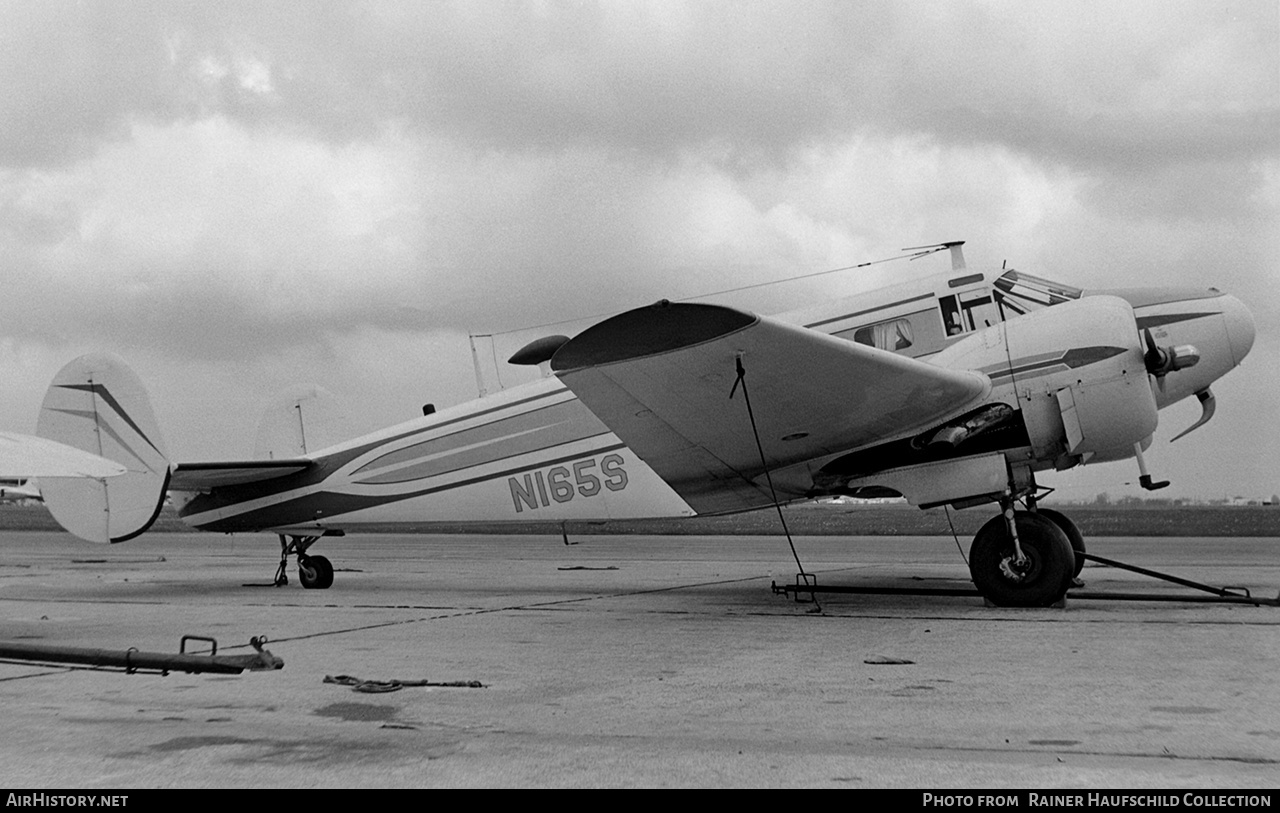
(239, 197)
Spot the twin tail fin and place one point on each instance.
(99, 405)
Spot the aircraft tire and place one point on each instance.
(1049, 572)
(315, 572)
(1073, 536)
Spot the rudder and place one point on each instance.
(97, 404)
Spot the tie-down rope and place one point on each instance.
(773, 494)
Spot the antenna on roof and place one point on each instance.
(957, 256)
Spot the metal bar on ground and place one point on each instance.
(1217, 598)
(132, 660)
(1214, 599)
(1224, 592)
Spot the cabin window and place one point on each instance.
(892, 335)
(964, 313)
(978, 311)
(950, 315)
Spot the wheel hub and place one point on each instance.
(1016, 568)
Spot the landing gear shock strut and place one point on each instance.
(1022, 558)
(1019, 560)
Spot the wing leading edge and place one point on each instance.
(660, 378)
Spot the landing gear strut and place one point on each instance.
(1026, 558)
(314, 572)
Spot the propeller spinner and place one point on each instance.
(1161, 361)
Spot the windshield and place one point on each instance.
(1020, 293)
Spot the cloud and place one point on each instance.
(659, 78)
(206, 229)
(330, 191)
(204, 221)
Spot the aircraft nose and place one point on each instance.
(1240, 327)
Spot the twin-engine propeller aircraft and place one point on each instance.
(956, 389)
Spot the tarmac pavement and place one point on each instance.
(635, 661)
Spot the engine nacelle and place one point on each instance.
(1077, 373)
(1103, 396)
(1105, 418)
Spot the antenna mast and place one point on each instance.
(957, 256)
(475, 362)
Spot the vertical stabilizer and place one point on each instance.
(97, 404)
(298, 421)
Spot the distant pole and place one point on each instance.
(302, 431)
(475, 362)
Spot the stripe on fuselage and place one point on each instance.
(428, 459)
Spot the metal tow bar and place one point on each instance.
(1223, 595)
(132, 660)
(1229, 594)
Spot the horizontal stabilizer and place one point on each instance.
(23, 456)
(206, 476)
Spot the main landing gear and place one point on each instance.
(1026, 558)
(314, 572)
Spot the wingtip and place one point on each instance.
(662, 327)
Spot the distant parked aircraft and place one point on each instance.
(17, 489)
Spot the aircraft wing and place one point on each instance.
(206, 476)
(660, 378)
(29, 456)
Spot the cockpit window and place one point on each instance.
(968, 311)
(892, 335)
(1017, 293)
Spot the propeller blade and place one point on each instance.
(1207, 406)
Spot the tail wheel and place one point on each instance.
(1073, 536)
(315, 572)
(1038, 581)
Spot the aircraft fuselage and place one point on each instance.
(1070, 383)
